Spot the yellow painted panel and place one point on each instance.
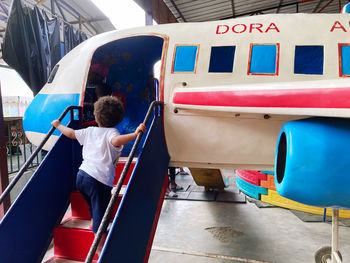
(275, 199)
(209, 178)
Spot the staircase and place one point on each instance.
(72, 239)
(35, 217)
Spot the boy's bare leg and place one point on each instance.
(91, 222)
(101, 244)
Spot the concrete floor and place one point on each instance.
(217, 232)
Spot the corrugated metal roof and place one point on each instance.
(209, 10)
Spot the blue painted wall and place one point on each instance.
(131, 62)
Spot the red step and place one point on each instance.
(119, 169)
(64, 260)
(73, 239)
(80, 208)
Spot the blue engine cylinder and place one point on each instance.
(312, 163)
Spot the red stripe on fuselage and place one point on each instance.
(287, 98)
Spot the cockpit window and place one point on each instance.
(53, 74)
(221, 59)
(185, 59)
(344, 60)
(308, 60)
(263, 59)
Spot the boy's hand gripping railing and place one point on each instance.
(105, 220)
(41, 145)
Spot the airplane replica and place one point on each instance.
(269, 92)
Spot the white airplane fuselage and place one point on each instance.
(222, 118)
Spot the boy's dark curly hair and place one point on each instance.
(108, 111)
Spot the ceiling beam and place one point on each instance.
(4, 8)
(82, 20)
(67, 8)
(53, 10)
(90, 29)
(329, 2)
(61, 11)
(3, 18)
(70, 8)
(317, 6)
(233, 8)
(279, 6)
(178, 11)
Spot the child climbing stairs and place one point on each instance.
(73, 238)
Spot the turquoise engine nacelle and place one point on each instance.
(312, 163)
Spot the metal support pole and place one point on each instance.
(4, 8)
(61, 11)
(80, 22)
(149, 19)
(4, 178)
(53, 10)
(149, 13)
(335, 236)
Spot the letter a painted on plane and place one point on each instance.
(337, 25)
(272, 26)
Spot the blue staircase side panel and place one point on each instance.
(26, 230)
(131, 229)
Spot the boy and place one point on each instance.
(101, 146)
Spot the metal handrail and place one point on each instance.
(31, 158)
(105, 220)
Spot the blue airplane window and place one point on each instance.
(263, 59)
(221, 59)
(345, 60)
(185, 59)
(308, 60)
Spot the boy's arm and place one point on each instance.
(69, 132)
(125, 138)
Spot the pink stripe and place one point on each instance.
(291, 98)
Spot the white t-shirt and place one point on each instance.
(98, 152)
